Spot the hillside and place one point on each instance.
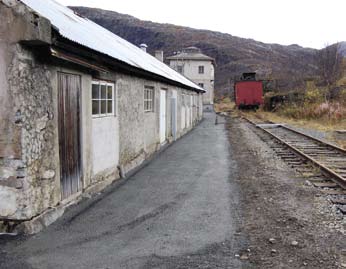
(234, 55)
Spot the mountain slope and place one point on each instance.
(234, 55)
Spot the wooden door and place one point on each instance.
(69, 87)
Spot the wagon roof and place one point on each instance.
(83, 31)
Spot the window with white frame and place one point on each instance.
(148, 99)
(103, 99)
(201, 69)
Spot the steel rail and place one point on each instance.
(315, 139)
(338, 179)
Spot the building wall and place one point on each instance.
(29, 134)
(27, 138)
(139, 135)
(190, 70)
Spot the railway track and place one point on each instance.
(323, 164)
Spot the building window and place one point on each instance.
(148, 99)
(201, 85)
(103, 99)
(180, 69)
(201, 69)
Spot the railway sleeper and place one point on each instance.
(338, 200)
(342, 208)
(338, 191)
(325, 184)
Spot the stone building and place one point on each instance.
(79, 108)
(198, 67)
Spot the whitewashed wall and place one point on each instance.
(105, 143)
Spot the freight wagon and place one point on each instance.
(248, 92)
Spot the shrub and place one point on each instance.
(314, 96)
(342, 96)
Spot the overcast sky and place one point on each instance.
(308, 23)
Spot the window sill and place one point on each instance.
(103, 116)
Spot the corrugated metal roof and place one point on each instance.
(87, 33)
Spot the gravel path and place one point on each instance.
(288, 223)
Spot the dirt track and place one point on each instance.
(288, 223)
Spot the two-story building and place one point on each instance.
(199, 68)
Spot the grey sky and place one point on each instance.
(305, 22)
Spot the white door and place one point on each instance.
(162, 116)
(188, 109)
(174, 114)
(191, 110)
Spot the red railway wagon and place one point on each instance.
(248, 92)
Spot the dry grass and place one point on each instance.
(322, 124)
(314, 124)
(224, 105)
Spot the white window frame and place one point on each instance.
(149, 100)
(99, 99)
(201, 69)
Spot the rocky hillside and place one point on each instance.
(234, 55)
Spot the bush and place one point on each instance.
(342, 96)
(314, 96)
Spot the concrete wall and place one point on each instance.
(105, 143)
(190, 70)
(29, 137)
(139, 130)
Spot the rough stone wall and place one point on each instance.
(34, 171)
(27, 137)
(31, 91)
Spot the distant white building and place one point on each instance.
(198, 67)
